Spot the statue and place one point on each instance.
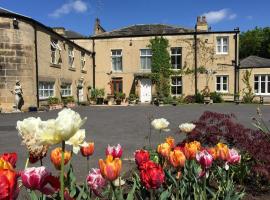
(18, 96)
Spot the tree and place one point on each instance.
(161, 65)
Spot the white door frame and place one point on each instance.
(146, 96)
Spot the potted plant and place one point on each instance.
(54, 103)
(119, 97)
(206, 95)
(100, 96)
(133, 98)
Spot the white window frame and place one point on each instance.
(67, 91)
(115, 57)
(267, 80)
(174, 67)
(83, 60)
(177, 94)
(222, 45)
(146, 57)
(222, 83)
(43, 89)
(71, 57)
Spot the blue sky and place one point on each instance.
(79, 15)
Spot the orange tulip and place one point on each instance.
(56, 156)
(164, 149)
(222, 151)
(213, 152)
(110, 168)
(191, 149)
(5, 164)
(170, 141)
(177, 158)
(88, 150)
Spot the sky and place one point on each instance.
(79, 15)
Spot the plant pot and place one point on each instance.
(106, 101)
(100, 100)
(174, 103)
(118, 101)
(206, 99)
(32, 109)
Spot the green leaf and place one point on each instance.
(33, 195)
(131, 193)
(166, 194)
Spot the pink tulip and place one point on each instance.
(38, 178)
(95, 181)
(115, 151)
(233, 157)
(205, 159)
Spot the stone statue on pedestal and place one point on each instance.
(17, 91)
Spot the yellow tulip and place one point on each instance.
(110, 168)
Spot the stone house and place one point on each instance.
(43, 59)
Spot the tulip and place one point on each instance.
(77, 141)
(88, 150)
(115, 151)
(187, 127)
(5, 164)
(213, 152)
(222, 151)
(170, 141)
(191, 149)
(10, 157)
(141, 156)
(37, 153)
(110, 168)
(160, 124)
(177, 158)
(205, 159)
(56, 156)
(164, 149)
(152, 175)
(233, 157)
(8, 184)
(38, 178)
(95, 181)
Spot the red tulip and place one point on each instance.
(141, 156)
(8, 185)
(233, 157)
(88, 150)
(10, 157)
(152, 175)
(205, 159)
(115, 151)
(38, 178)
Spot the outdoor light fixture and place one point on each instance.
(130, 42)
(15, 23)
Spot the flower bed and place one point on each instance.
(194, 169)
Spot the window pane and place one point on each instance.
(173, 80)
(173, 90)
(224, 87)
(218, 79)
(256, 78)
(219, 48)
(256, 87)
(262, 87)
(225, 49)
(262, 78)
(225, 41)
(218, 87)
(179, 89)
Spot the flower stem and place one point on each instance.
(88, 165)
(41, 162)
(62, 171)
(152, 194)
(26, 162)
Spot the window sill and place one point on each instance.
(222, 54)
(55, 65)
(72, 68)
(222, 92)
(83, 71)
(145, 70)
(117, 72)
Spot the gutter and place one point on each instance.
(236, 65)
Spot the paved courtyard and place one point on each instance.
(125, 125)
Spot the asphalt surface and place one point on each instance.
(127, 126)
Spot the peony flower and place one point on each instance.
(141, 156)
(222, 151)
(10, 157)
(95, 181)
(170, 141)
(191, 149)
(8, 185)
(177, 158)
(77, 141)
(110, 168)
(187, 127)
(38, 178)
(233, 157)
(152, 175)
(88, 150)
(205, 159)
(56, 156)
(115, 151)
(164, 149)
(160, 124)
(5, 164)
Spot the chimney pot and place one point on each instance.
(203, 19)
(199, 19)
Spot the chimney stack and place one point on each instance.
(98, 28)
(201, 24)
(59, 30)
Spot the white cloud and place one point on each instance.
(214, 17)
(72, 6)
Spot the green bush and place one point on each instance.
(133, 97)
(189, 99)
(216, 97)
(199, 98)
(67, 100)
(120, 95)
(97, 93)
(53, 100)
(168, 100)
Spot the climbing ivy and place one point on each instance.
(161, 67)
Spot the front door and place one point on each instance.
(146, 90)
(81, 99)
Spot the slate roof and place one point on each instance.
(254, 62)
(145, 29)
(72, 34)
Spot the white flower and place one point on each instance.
(29, 127)
(77, 140)
(160, 124)
(68, 123)
(187, 127)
